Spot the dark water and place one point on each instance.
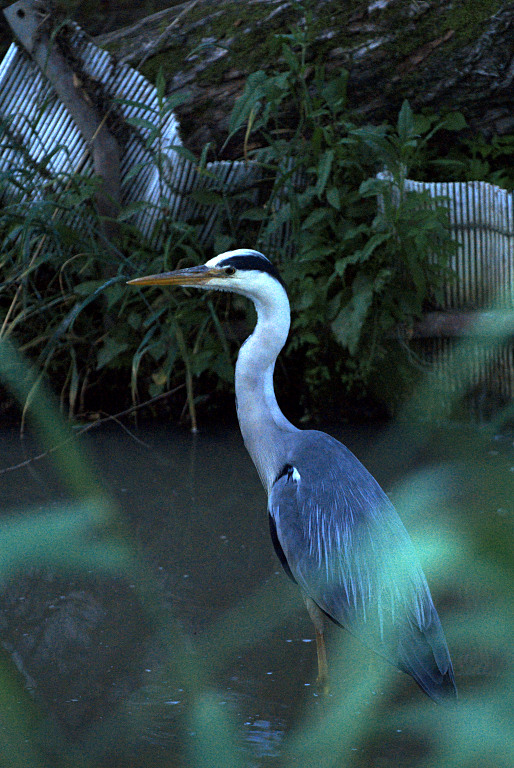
(130, 668)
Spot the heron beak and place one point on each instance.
(190, 277)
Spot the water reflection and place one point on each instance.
(114, 673)
(265, 736)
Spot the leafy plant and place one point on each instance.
(62, 295)
(478, 159)
(362, 255)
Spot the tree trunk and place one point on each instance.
(436, 54)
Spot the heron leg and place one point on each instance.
(322, 680)
(317, 619)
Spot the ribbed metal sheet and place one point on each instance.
(473, 374)
(38, 127)
(481, 217)
(482, 221)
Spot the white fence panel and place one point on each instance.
(481, 219)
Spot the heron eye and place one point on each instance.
(230, 270)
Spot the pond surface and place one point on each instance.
(206, 631)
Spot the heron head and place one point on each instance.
(238, 271)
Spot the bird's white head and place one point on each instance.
(242, 271)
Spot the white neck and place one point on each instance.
(264, 427)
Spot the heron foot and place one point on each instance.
(323, 685)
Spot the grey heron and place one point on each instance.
(334, 529)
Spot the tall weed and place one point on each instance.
(62, 294)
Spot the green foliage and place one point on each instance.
(63, 295)
(361, 256)
(479, 159)
(359, 272)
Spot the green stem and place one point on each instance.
(189, 378)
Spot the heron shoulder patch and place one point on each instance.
(290, 473)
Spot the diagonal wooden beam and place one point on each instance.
(31, 23)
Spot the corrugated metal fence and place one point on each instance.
(481, 365)
(36, 128)
(482, 221)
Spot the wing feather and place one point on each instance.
(348, 550)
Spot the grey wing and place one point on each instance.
(348, 550)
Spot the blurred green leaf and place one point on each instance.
(20, 379)
(405, 124)
(67, 536)
(323, 170)
(216, 742)
(252, 94)
(348, 324)
(334, 198)
(109, 351)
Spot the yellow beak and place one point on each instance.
(192, 276)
